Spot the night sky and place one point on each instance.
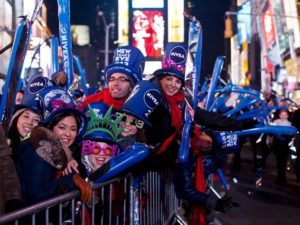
(209, 12)
(211, 15)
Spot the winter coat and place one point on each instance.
(183, 173)
(38, 160)
(9, 183)
(162, 129)
(184, 182)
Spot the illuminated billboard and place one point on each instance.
(268, 24)
(244, 23)
(80, 35)
(175, 21)
(123, 22)
(148, 29)
(147, 4)
(292, 22)
(280, 23)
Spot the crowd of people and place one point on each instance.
(55, 141)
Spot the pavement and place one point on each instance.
(269, 204)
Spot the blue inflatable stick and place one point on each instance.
(14, 70)
(214, 81)
(81, 74)
(15, 66)
(120, 163)
(276, 130)
(191, 86)
(222, 178)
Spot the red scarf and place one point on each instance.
(105, 97)
(176, 115)
(198, 211)
(175, 110)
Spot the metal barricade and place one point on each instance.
(145, 200)
(161, 203)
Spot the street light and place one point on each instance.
(107, 27)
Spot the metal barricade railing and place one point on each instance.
(161, 203)
(145, 200)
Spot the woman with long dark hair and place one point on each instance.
(165, 134)
(44, 153)
(26, 116)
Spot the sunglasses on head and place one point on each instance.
(92, 147)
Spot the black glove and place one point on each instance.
(223, 204)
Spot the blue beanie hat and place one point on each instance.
(55, 101)
(128, 60)
(35, 85)
(174, 60)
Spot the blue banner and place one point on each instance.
(65, 38)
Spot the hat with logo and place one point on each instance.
(35, 85)
(128, 60)
(54, 102)
(143, 99)
(174, 60)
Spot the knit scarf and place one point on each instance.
(176, 116)
(175, 110)
(105, 97)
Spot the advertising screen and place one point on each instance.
(148, 29)
(80, 35)
(244, 23)
(268, 24)
(175, 21)
(147, 3)
(280, 23)
(123, 22)
(292, 21)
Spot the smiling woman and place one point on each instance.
(48, 147)
(65, 127)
